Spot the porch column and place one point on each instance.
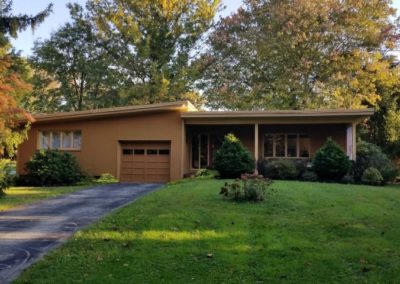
(255, 148)
(351, 141)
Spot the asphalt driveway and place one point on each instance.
(27, 233)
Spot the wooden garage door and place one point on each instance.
(145, 162)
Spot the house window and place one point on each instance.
(200, 151)
(286, 146)
(61, 140)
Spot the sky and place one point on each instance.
(60, 16)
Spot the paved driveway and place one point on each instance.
(29, 232)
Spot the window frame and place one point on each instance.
(72, 148)
(286, 145)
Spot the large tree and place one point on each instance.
(154, 42)
(12, 84)
(301, 54)
(73, 71)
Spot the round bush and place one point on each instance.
(330, 162)
(309, 176)
(372, 176)
(52, 167)
(370, 155)
(280, 169)
(233, 159)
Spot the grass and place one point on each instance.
(16, 196)
(186, 233)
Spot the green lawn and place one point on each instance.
(16, 196)
(186, 233)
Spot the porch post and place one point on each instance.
(351, 141)
(255, 147)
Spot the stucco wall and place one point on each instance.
(100, 140)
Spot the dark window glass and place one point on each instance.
(269, 145)
(163, 151)
(304, 145)
(203, 151)
(127, 151)
(151, 151)
(280, 145)
(195, 152)
(139, 151)
(292, 145)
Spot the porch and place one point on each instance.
(265, 141)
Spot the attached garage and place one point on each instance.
(145, 161)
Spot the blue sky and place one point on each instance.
(60, 15)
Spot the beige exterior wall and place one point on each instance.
(100, 149)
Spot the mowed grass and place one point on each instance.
(16, 196)
(186, 233)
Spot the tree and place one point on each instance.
(72, 69)
(300, 54)
(154, 42)
(12, 85)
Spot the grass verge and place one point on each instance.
(185, 233)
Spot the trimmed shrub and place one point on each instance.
(330, 161)
(250, 187)
(309, 176)
(52, 167)
(106, 178)
(280, 169)
(232, 158)
(370, 155)
(372, 176)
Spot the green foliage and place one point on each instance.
(309, 176)
(307, 54)
(372, 176)
(73, 69)
(106, 178)
(370, 155)
(206, 173)
(5, 176)
(348, 179)
(280, 169)
(52, 167)
(233, 159)
(153, 42)
(249, 187)
(330, 161)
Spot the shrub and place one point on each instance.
(52, 167)
(6, 178)
(347, 179)
(232, 158)
(330, 161)
(370, 155)
(280, 169)
(206, 174)
(372, 176)
(106, 178)
(250, 187)
(309, 176)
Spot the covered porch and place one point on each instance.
(288, 137)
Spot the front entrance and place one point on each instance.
(145, 161)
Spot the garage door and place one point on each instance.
(145, 162)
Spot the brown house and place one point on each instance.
(163, 142)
